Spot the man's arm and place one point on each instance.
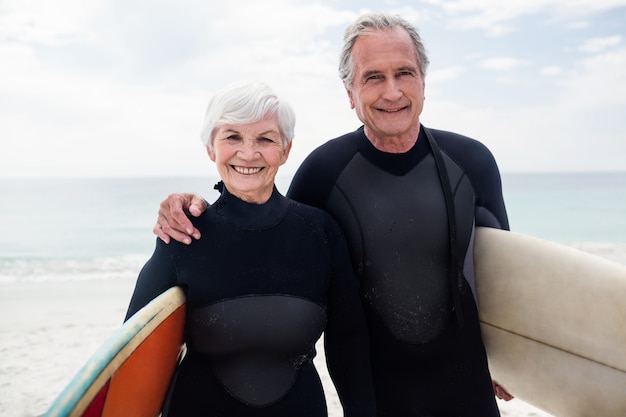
(173, 222)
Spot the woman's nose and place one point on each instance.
(248, 148)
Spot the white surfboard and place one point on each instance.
(554, 323)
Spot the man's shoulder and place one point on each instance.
(447, 138)
(460, 147)
(319, 170)
(331, 157)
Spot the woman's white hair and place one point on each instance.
(244, 103)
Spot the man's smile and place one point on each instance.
(395, 110)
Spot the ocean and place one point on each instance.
(80, 229)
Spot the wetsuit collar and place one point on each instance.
(251, 216)
(394, 163)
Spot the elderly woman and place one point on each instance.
(274, 275)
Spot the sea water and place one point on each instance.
(67, 229)
(569, 208)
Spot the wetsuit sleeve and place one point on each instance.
(490, 208)
(346, 339)
(480, 166)
(156, 276)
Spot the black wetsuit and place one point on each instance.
(260, 292)
(428, 358)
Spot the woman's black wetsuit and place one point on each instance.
(393, 211)
(260, 292)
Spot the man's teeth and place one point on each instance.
(247, 171)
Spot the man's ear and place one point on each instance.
(350, 97)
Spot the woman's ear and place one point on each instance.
(210, 153)
(286, 151)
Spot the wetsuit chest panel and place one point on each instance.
(257, 344)
(397, 252)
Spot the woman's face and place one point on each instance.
(247, 158)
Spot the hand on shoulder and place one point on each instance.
(172, 220)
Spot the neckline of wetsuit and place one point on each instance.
(250, 216)
(394, 163)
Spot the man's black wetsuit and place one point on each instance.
(260, 292)
(393, 210)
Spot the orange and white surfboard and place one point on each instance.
(129, 375)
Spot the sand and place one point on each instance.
(49, 329)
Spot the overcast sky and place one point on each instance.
(119, 87)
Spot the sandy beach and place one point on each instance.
(49, 329)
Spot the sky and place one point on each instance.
(117, 88)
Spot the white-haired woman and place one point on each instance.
(272, 277)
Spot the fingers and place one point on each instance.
(178, 221)
(172, 222)
(197, 206)
(172, 233)
(501, 393)
(157, 230)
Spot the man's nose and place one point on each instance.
(392, 90)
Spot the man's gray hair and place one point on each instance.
(371, 22)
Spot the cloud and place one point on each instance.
(597, 81)
(113, 87)
(98, 89)
(445, 74)
(46, 23)
(550, 71)
(498, 17)
(501, 64)
(580, 127)
(596, 45)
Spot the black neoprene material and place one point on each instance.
(393, 211)
(256, 357)
(262, 284)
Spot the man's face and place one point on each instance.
(388, 89)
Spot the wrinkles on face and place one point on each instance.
(388, 89)
(248, 157)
